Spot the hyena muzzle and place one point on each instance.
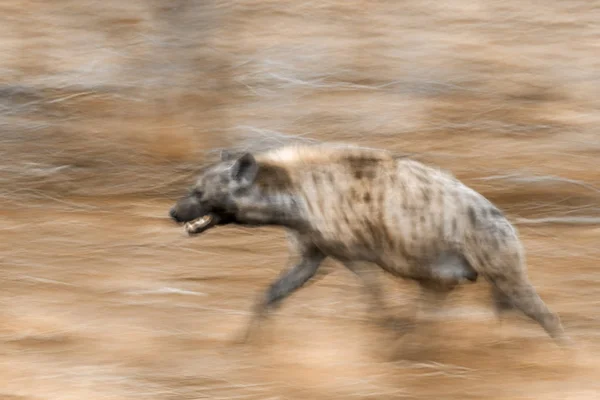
(358, 205)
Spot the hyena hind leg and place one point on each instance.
(519, 293)
(501, 302)
(432, 295)
(448, 271)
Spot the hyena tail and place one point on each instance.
(511, 288)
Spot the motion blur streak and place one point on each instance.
(107, 108)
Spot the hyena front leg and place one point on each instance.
(291, 280)
(370, 283)
(371, 286)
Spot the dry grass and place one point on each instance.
(108, 107)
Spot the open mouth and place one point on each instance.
(199, 225)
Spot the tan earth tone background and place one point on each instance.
(108, 107)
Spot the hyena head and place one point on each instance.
(214, 198)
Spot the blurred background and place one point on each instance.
(107, 108)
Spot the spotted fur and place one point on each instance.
(358, 204)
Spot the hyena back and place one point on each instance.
(366, 205)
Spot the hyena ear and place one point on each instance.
(244, 169)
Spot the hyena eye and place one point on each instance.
(197, 193)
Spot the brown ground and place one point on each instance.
(107, 106)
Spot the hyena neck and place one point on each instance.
(275, 210)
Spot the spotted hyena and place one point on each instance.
(360, 205)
